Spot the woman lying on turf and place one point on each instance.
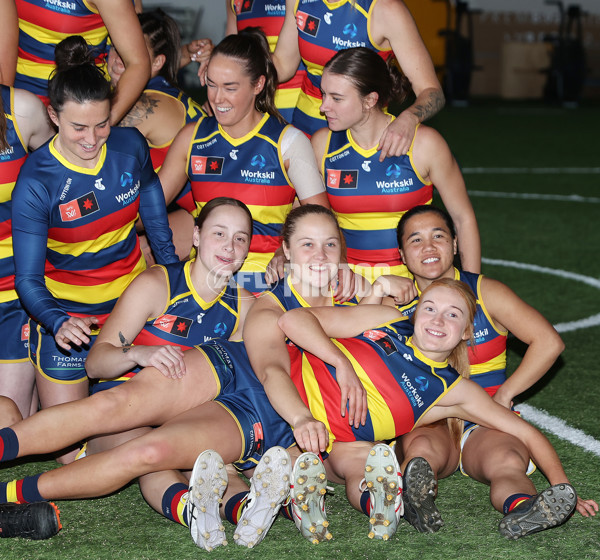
(242, 424)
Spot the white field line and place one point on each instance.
(559, 428)
(591, 321)
(589, 280)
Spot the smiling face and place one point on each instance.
(83, 129)
(314, 252)
(442, 321)
(223, 241)
(428, 248)
(342, 104)
(232, 95)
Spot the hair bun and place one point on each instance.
(73, 51)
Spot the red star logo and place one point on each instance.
(87, 204)
(311, 25)
(180, 327)
(214, 165)
(246, 4)
(348, 179)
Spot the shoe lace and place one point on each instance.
(362, 486)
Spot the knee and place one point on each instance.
(503, 462)
(9, 412)
(512, 460)
(420, 445)
(108, 404)
(151, 456)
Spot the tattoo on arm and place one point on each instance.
(144, 107)
(428, 106)
(125, 344)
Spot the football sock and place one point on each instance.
(174, 503)
(513, 501)
(286, 511)
(365, 503)
(9, 444)
(235, 506)
(21, 491)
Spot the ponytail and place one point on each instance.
(251, 49)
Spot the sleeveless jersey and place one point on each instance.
(11, 161)
(193, 112)
(250, 169)
(287, 297)
(81, 222)
(187, 320)
(269, 16)
(369, 197)
(323, 29)
(401, 383)
(45, 23)
(488, 356)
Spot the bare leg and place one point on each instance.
(346, 465)
(434, 444)
(9, 412)
(35, 401)
(52, 394)
(174, 445)
(17, 381)
(500, 461)
(97, 444)
(148, 399)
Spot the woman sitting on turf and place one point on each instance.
(428, 245)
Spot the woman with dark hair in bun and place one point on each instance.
(370, 196)
(74, 209)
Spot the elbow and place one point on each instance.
(288, 320)
(551, 344)
(95, 361)
(91, 367)
(558, 345)
(441, 99)
(283, 322)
